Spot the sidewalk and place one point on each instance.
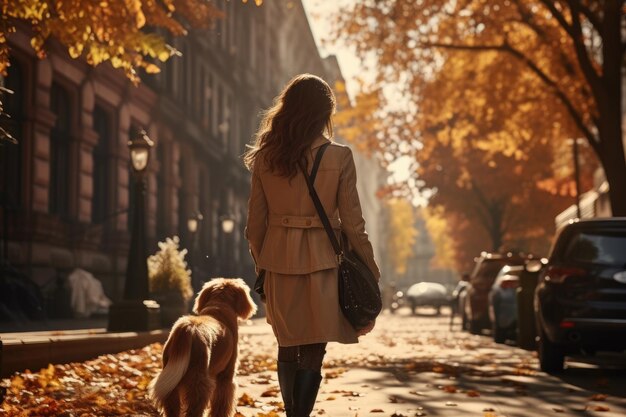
(34, 345)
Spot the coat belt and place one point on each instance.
(301, 222)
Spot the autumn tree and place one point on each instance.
(126, 33)
(573, 48)
(402, 233)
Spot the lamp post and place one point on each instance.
(136, 312)
(575, 142)
(228, 225)
(192, 226)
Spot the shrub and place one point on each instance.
(168, 271)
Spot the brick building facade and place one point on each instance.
(67, 187)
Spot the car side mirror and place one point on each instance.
(534, 265)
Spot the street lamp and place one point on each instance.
(136, 312)
(228, 226)
(575, 143)
(192, 226)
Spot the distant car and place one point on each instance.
(503, 303)
(427, 294)
(580, 301)
(475, 301)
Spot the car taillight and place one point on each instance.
(509, 283)
(558, 275)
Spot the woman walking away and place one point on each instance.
(288, 240)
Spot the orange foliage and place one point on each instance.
(122, 32)
(492, 91)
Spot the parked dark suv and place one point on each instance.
(476, 302)
(580, 301)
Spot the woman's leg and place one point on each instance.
(308, 378)
(287, 367)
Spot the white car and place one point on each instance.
(427, 294)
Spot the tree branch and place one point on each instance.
(588, 13)
(593, 78)
(505, 47)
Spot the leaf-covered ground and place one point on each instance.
(409, 366)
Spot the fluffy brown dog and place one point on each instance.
(200, 355)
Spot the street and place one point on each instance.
(408, 366)
(413, 366)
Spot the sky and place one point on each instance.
(320, 13)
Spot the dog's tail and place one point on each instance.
(178, 361)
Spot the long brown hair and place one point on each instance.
(300, 114)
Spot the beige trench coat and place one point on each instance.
(288, 240)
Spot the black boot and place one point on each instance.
(286, 380)
(305, 391)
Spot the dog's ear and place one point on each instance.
(203, 297)
(244, 306)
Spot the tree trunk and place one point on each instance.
(614, 166)
(610, 118)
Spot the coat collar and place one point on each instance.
(319, 142)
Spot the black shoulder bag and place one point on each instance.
(359, 295)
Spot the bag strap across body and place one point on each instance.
(310, 181)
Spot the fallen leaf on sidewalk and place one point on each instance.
(334, 373)
(451, 389)
(601, 408)
(599, 397)
(245, 400)
(558, 410)
(270, 414)
(377, 410)
(472, 393)
(418, 393)
(331, 398)
(450, 404)
(272, 392)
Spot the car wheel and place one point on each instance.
(551, 356)
(474, 327)
(499, 334)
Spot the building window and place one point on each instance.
(103, 127)
(162, 222)
(182, 204)
(61, 106)
(132, 133)
(11, 155)
(207, 108)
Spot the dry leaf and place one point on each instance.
(557, 410)
(272, 392)
(472, 393)
(377, 410)
(599, 397)
(601, 408)
(449, 389)
(245, 400)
